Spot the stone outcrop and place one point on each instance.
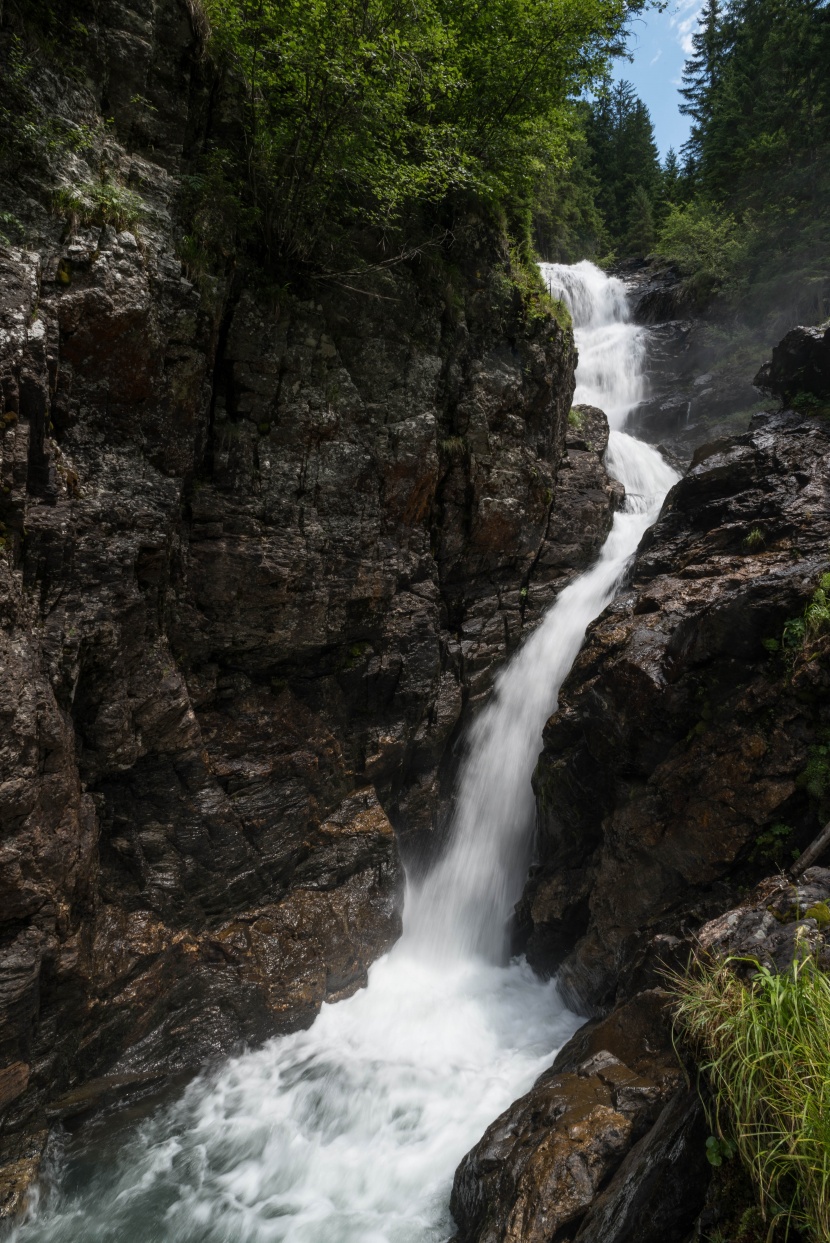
(261, 552)
(610, 1143)
(680, 738)
(800, 366)
(697, 385)
(537, 1170)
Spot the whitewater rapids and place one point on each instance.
(350, 1132)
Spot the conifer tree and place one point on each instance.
(621, 137)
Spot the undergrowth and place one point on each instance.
(102, 202)
(800, 631)
(764, 1046)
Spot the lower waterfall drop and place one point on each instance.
(350, 1132)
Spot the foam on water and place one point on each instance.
(350, 1132)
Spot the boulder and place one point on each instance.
(800, 365)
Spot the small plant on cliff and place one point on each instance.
(809, 626)
(103, 202)
(755, 538)
(764, 1046)
(773, 845)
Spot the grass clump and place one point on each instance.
(800, 631)
(100, 203)
(764, 1046)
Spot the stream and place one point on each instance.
(350, 1132)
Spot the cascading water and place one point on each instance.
(350, 1132)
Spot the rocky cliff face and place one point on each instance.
(681, 739)
(260, 553)
(687, 756)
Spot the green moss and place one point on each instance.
(820, 912)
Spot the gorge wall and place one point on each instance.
(686, 762)
(261, 552)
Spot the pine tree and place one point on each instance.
(640, 234)
(621, 137)
(700, 73)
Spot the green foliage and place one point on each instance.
(357, 110)
(99, 202)
(764, 1047)
(702, 240)
(799, 632)
(815, 778)
(719, 1150)
(817, 612)
(621, 138)
(757, 176)
(453, 447)
(29, 131)
(773, 845)
(755, 538)
(11, 229)
(567, 222)
(575, 417)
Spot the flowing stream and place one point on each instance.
(350, 1132)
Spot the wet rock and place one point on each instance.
(800, 365)
(775, 925)
(660, 293)
(656, 1193)
(260, 558)
(678, 739)
(538, 1168)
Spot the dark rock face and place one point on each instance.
(800, 364)
(697, 367)
(678, 738)
(538, 1168)
(258, 557)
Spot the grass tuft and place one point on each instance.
(764, 1046)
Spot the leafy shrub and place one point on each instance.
(771, 845)
(703, 240)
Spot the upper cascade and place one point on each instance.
(593, 298)
(611, 371)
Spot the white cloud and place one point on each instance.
(683, 22)
(656, 57)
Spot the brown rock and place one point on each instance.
(678, 739)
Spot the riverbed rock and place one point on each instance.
(681, 739)
(538, 1168)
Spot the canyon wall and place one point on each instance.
(262, 551)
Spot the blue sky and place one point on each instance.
(660, 43)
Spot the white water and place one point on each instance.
(611, 348)
(350, 1132)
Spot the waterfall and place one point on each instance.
(611, 348)
(350, 1132)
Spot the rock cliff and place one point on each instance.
(682, 739)
(261, 551)
(688, 756)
